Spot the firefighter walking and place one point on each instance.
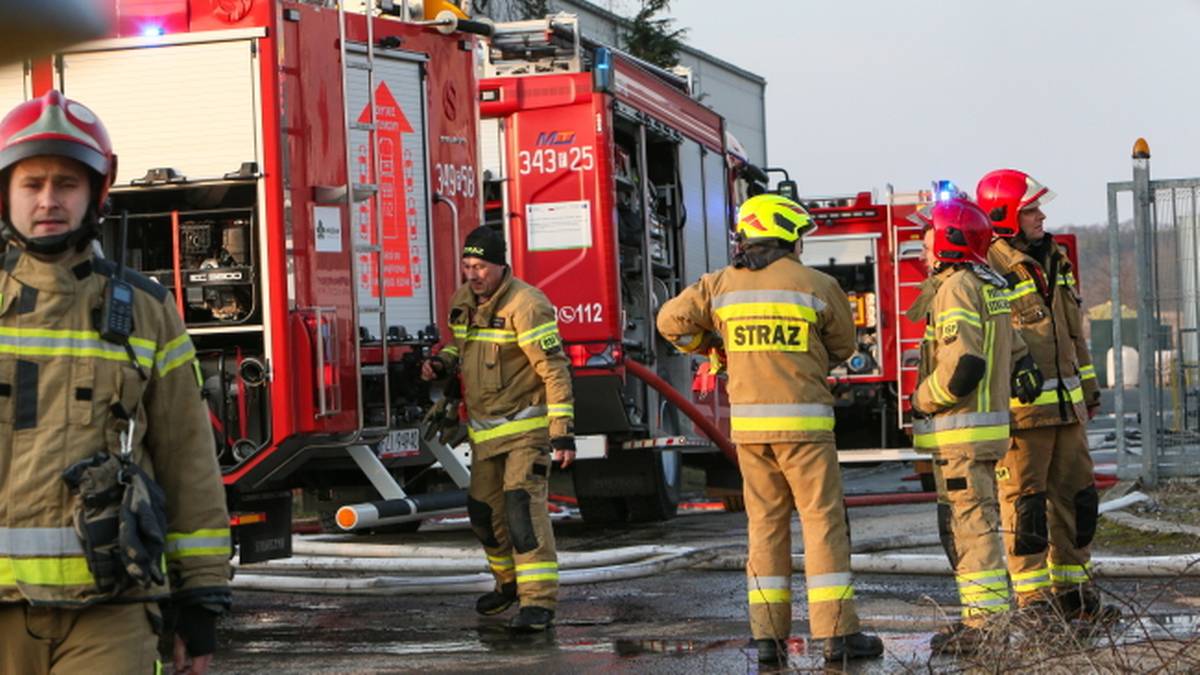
(783, 326)
(108, 456)
(1049, 502)
(519, 408)
(961, 411)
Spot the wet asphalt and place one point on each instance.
(682, 621)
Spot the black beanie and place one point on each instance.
(485, 243)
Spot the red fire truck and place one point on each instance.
(297, 175)
(613, 187)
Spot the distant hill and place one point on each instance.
(1095, 280)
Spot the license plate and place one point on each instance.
(402, 443)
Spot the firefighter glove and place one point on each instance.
(431, 423)
(197, 626)
(98, 491)
(563, 443)
(1027, 380)
(143, 530)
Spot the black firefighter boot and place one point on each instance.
(532, 620)
(494, 602)
(1083, 604)
(853, 646)
(772, 651)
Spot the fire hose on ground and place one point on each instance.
(435, 569)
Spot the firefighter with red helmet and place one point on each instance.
(111, 494)
(520, 407)
(1049, 502)
(961, 409)
(783, 326)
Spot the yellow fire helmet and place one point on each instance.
(768, 215)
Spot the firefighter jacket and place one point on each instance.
(1045, 309)
(65, 395)
(966, 363)
(516, 376)
(783, 327)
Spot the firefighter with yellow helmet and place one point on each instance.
(112, 498)
(1049, 501)
(961, 411)
(783, 325)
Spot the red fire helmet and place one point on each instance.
(961, 232)
(56, 125)
(1003, 193)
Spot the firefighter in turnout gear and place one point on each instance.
(961, 411)
(110, 472)
(1049, 502)
(783, 326)
(517, 385)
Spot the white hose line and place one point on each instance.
(1122, 502)
(381, 586)
(449, 565)
(305, 547)
(913, 563)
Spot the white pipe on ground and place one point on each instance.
(455, 584)
(449, 565)
(307, 546)
(1121, 502)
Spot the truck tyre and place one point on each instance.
(602, 510)
(664, 503)
(628, 486)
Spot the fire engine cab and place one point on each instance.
(612, 185)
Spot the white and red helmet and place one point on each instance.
(1003, 193)
(55, 125)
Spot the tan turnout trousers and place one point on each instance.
(778, 477)
(1046, 480)
(507, 506)
(113, 638)
(968, 524)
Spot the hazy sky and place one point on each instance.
(862, 93)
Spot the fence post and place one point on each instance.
(1144, 251)
(1118, 374)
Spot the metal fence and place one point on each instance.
(1167, 260)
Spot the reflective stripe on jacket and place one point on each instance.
(783, 327)
(1053, 332)
(59, 383)
(516, 377)
(967, 317)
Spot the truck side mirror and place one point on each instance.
(789, 189)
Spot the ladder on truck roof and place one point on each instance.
(356, 193)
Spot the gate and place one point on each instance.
(1167, 260)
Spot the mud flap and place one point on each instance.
(520, 521)
(1031, 524)
(1087, 511)
(480, 515)
(946, 534)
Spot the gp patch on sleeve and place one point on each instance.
(1002, 473)
(949, 332)
(551, 344)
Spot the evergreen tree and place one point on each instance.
(652, 39)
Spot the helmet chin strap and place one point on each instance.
(54, 244)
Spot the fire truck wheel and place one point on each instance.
(602, 510)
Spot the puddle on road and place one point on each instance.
(569, 644)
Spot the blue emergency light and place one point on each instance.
(945, 190)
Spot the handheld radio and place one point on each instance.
(116, 315)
